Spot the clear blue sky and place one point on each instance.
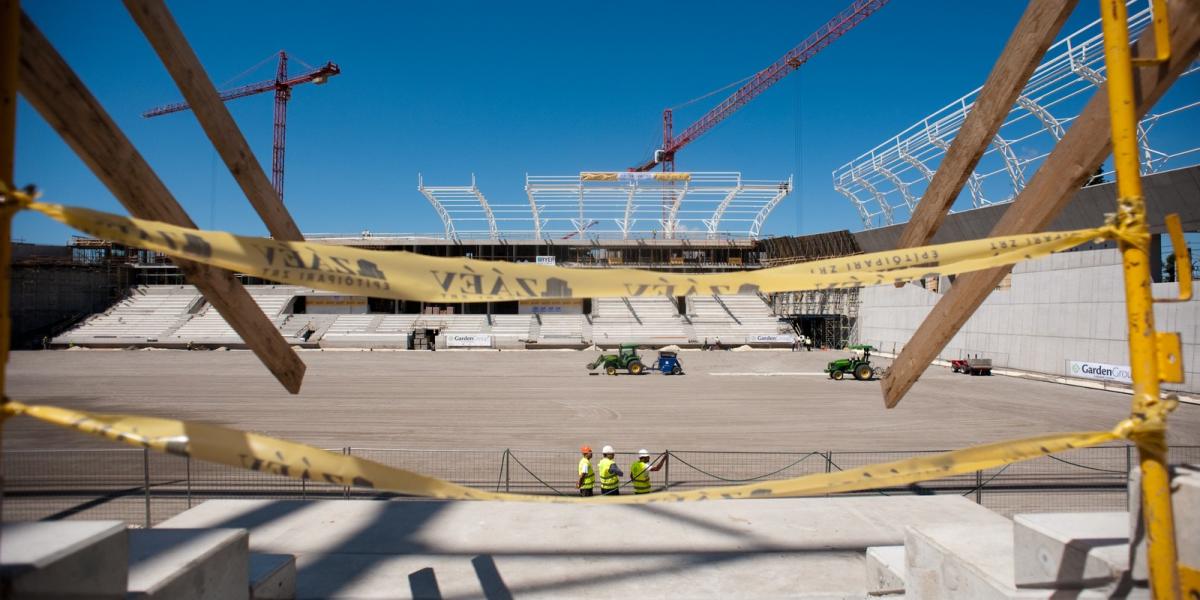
(501, 89)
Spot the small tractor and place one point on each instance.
(858, 365)
(668, 363)
(627, 358)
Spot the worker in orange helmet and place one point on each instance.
(587, 476)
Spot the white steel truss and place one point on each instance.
(463, 204)
(884, 182)
(613, 205)
(623, 205)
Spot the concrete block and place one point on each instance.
(188, 564)
(885, 570)
(956, 560)
(1186, 498)
(63, 559)
(272, 576)
(1071, 550)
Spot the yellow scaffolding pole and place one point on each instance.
(1144, 343)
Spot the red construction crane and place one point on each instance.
(282, 84)
(835, 28)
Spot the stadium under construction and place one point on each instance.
(431, 450)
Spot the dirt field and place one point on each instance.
(760, 400)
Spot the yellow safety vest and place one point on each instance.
(640, 473)
(608, 479)
(585, 467)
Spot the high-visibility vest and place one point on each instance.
(640, 473)
(608, 479)
(585, 468)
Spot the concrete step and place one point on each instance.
(771, 548)
(1071, 550)
(63, 559)
(189, 564)
(272, 576)
(885, 570)
(967, 560)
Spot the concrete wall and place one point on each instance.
(1065, 307)
(1167, 192)
(47, 299)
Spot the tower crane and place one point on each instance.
(822, 37)
(282, 84)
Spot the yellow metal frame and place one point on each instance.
(1153, 356)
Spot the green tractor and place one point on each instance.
(858, 364)
(627, 358)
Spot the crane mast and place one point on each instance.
(759, 83)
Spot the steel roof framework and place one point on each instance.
(885, 182)
(613, 205)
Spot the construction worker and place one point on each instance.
(639, 471)
(610, 473)
(587, 477)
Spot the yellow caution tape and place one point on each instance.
(404, 275)
(266, 454)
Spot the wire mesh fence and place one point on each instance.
(144, 488)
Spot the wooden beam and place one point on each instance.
(1084, 147)
(50, 85)
(1034, 33)
(172, 47)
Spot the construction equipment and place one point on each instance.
(822, 37)
(627, 358)
(282, 85)
(858, 364)
(972, 366)
(668, 363)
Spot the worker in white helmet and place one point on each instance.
(639, 471)
(610, 473)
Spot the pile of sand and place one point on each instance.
(742, 348)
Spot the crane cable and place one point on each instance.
(243, 74)
(714, 92)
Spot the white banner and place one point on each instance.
(468, 340)
(545, 260)
(1103, 372)
(779, 338)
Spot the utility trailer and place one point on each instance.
(972, 366)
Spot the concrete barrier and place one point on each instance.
(63, 559)
(189, 564)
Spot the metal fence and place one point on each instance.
(144, 488)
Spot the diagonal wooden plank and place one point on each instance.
(1032, 36)
(50, 85)
(1075, 158)
(172, 47)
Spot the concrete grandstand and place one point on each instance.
(174, 316)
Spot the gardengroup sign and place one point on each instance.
(772, 339)
(1101, 371)
(459, 340)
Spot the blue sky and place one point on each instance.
(503, 89)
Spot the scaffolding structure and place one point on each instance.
(828, 317)
(886, 182)
(613, 205)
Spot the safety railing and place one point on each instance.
(145, 488)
